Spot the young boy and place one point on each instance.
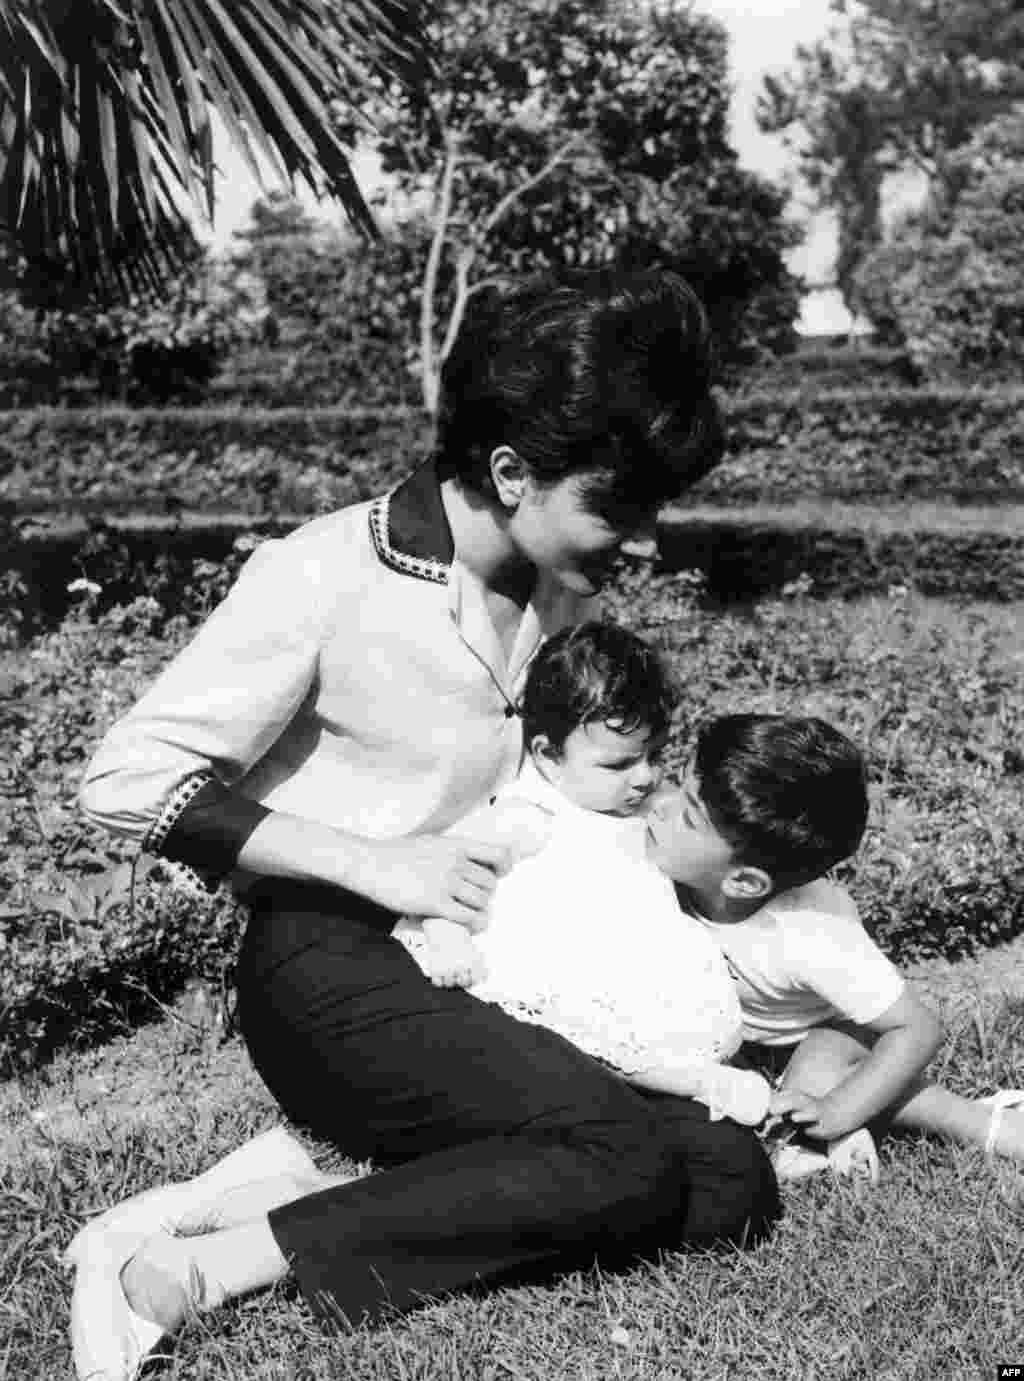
(771, 803)
(583, 934)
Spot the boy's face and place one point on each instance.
(686, 846)
(602, 769)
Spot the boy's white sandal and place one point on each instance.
(109, 1341)
(272, 1153)
(855, 1156)
(999, 1102)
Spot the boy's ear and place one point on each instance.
(541, 747)
(509, 475)
(747, 883)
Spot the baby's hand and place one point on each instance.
(452, 960)
(451, 971)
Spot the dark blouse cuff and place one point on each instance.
(201, 830)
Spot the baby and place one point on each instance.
(583, 934)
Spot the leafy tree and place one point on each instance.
(145, 347)
(569, 133)
(949, 285)
(335, 326)
(898, 85)
(105, 112)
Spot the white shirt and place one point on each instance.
(805, 959)
(352, 677)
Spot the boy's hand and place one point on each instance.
(812, 1115)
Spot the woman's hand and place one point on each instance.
(430, 875)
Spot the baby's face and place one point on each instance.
(602, 769)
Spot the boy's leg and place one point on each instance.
(824, 1058)
(828, 1054)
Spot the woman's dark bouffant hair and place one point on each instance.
(788, 793)
(584, 371)
(595, 672)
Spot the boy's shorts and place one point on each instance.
(770, 1061)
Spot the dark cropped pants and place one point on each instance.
(504, 1153)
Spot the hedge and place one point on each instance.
(957, 445)
(741, 554)
(123, 459)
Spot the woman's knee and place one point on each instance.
(689, 1181)
(732, 1193)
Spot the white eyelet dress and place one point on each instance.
(587, 938)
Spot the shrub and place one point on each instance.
(147, 349)
(221, 460)
(948, 284)
(827, 364)
(741, 555)
(949, 444)
(959, 445)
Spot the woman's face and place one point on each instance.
(559, 530)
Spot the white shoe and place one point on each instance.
(272, 1153)
(797, 1162)
(999, 1102)
(854, 1156)
(109, 1341)
(851, 1156)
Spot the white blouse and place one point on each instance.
(352, 677)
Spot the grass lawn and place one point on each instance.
(918, 1278)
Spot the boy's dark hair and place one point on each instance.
(788, 793)
(605, 370)
(595, 673)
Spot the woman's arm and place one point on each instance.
(420, 875)
(165, 773)
(217, 708)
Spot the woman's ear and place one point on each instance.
(509, 476)
(746, 883)
(544, 753)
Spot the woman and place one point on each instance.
(351, 699)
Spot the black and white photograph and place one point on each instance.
(511, 690)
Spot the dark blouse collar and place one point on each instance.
(409, 527)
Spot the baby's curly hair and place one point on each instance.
(595, 672)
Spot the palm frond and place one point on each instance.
(105, 110)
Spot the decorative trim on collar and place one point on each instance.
(409, 528)
(425, 568)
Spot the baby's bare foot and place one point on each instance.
(157, 1281)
